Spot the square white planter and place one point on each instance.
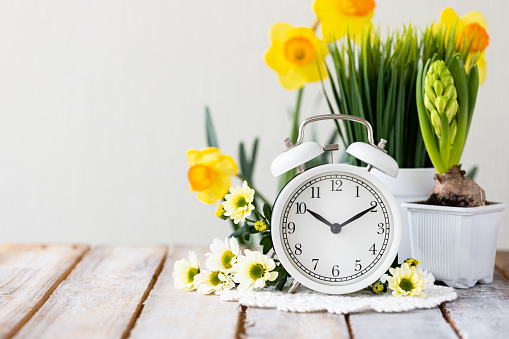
(456, 244)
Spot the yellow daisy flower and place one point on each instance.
(238, 203)
(222, 255)
(296, 54)
(412, 262)
(407, 281)
(339, 17)
(260, 225)
(184, 272)
(210, 173)
(213, 281)
(253, 270)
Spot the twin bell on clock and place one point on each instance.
(335, 228)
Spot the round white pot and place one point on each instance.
(412, 184)
(456, 244)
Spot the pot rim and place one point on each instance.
(492, 207)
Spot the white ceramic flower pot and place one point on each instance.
(456, 244)
(411, 184)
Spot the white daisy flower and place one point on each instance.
(238, 203)
(407, 281)
(211, 282)
(253, 270)
(223, 255)
(184, 272)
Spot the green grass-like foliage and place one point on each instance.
(377, 81)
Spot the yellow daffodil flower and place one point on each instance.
(296, 54)
(339, 17)
(471, 27)
(210, 173)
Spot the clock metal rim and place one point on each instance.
(277, 214)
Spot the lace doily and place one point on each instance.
(306, 300)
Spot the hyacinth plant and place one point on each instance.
(446, 97)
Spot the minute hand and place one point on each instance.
(357, 216)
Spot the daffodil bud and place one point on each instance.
(436, 122)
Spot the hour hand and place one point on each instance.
(319, 217)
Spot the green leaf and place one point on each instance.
(281, 284)
(266, 242)
(457, 69)
(267, 211)
(209, 127)
(428, 133)
(247, 236)
(244, 163)
(472, 172)
(238, 232)
(473, 87)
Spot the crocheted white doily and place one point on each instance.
(306, 300)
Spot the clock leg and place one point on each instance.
(294, 287)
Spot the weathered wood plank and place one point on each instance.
(29, 273)
(414, 324)
(270, 323)
(482, 311)
(102, 296)
(171, 313)
(502, 263)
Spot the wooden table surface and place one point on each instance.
(77, 291)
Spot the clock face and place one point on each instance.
(336, 228)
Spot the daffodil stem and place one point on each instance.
(293, 136)
(257, 193)
(295, 122)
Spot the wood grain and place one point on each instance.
(414, 324)
(29, 273)
(483, 310)
(171, 313)
(102, 296)
(268, 323)
(502, 263)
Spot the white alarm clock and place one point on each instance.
(335, 228)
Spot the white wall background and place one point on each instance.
(99, 101)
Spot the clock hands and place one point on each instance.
(336, 228)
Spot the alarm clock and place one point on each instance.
(335, 228)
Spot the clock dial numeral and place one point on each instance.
(315, 192)
(372, 249)
(358, 265)
(298, 249)
(336, 185)
(357, 192)
(374, 203)
(300, 208)
(335, 270)
(380, 228)
(291, 227)
(316, 263)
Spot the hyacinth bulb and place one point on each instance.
(440, 96)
